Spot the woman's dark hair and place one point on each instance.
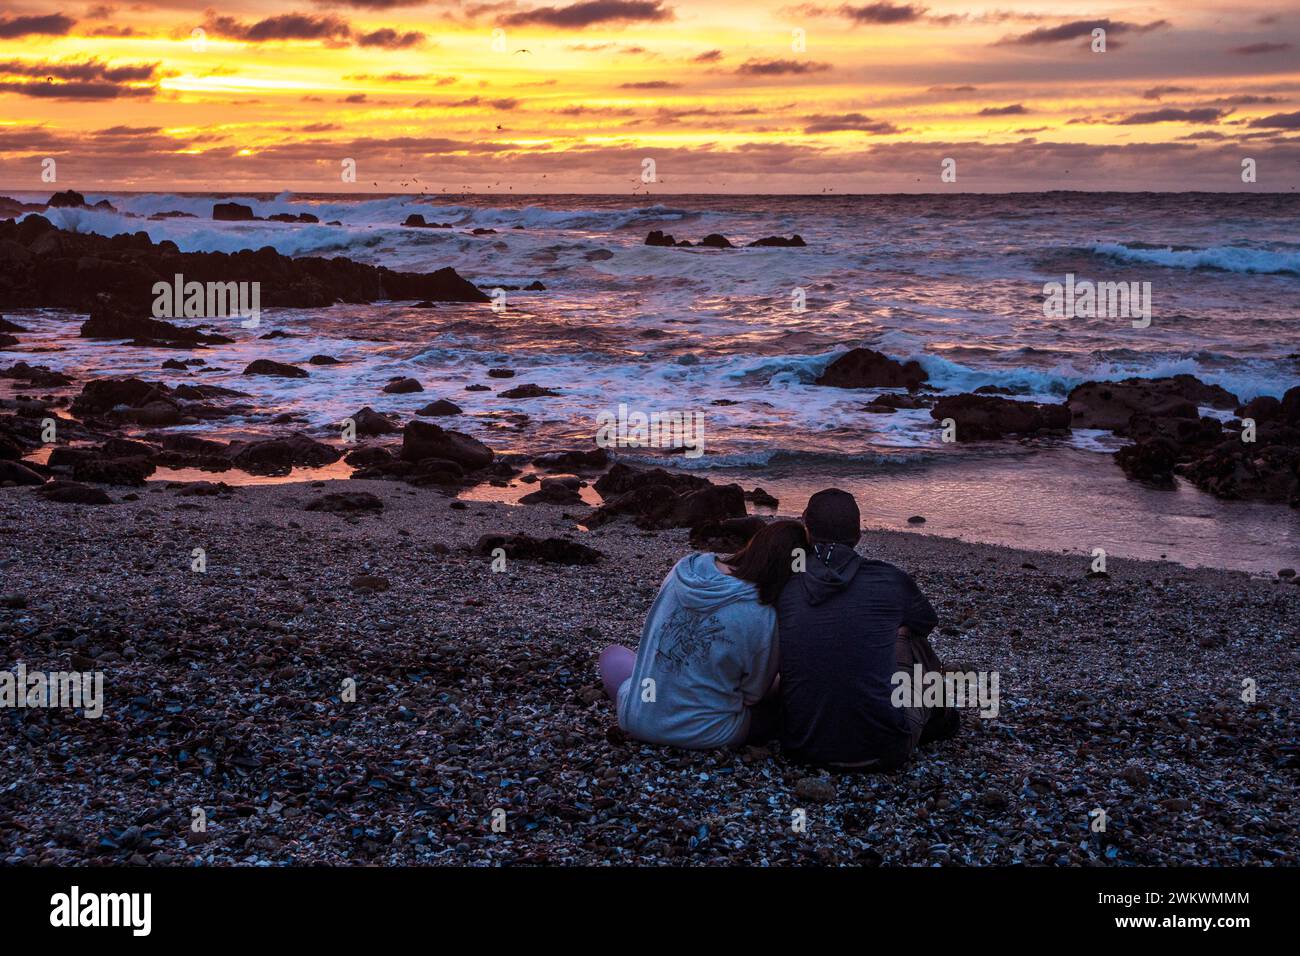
(767, 561)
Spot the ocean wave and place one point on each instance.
(1220, 258)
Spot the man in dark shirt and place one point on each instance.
(847, 625)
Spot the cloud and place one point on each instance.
(307, 26)
(370, 4)
(88, 70)
(780, 67)
(54, 24)
(1170, 115)
(1278, 121)
(882, 13)
(650, 85)
(964, 88)
(1254, 49)
(848, 121)
(74, 91)
(1081, 28)
(1015, 109)
(708, 56)
(589, 12)
(1158, 91)
(128, 131)
(390, 39)
(286, 26)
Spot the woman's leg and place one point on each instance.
(615, 666)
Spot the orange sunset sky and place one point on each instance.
(762, 96)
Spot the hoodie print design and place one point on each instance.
(686, 638)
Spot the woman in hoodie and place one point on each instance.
(708, 650)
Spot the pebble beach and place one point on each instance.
(476, 699)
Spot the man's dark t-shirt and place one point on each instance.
(839, 624)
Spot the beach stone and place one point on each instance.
(369, 583)
(323, 360)
(794, 241)
(716, 240)
(815, 789)
(657, 237)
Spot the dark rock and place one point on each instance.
(278, 456)
(403, 386)
(278, 369)
(105, 394)
(658, 238)
(659, 506)
(323, 360)
(794, 241)
(370, 422)
(726, 536)
(555, 491)
(232, 212)
(501, 373)
(522, 547)
(67, 199)
(1151, 460)
(368, 456)
(984, 417)
(761, 498)
(624, 478)
(574, 460)
(916, 519)
(528, 391)
(38, 376)
(42, 266)
(441, 407)
(716, 241)
(71, 492)
(867, 368)
(7, 326)
(347, 502)
(422, 440)
(1110, 405)
(15, 472)
(110, 320)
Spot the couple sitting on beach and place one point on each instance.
(795, 637)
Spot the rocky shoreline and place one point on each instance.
(476, 690)
(227, 619)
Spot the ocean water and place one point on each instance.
(955, 282)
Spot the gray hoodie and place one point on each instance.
(708, 653)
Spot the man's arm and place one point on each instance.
(918, 616)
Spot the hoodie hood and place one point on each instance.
(703, 588)
(827, 576)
